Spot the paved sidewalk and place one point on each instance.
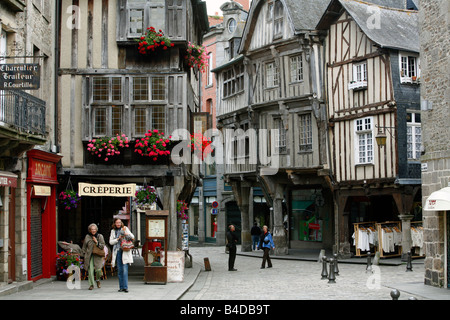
(51, 289)
(295, 276)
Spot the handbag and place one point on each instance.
(126, 245)
(98, 252)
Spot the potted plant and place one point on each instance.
(63, 261)
(107, 147)
(182, 209)
(153, 145)
(197, 56)
(69, 199)
(200, 145)
(153, 41)
(145, 197)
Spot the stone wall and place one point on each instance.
(435, 95)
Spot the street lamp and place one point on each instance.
(381, 135)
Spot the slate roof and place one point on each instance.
(305, 14)
(399, 29)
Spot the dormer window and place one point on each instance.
(409, 68)
(278, 19)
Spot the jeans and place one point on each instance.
(255, 240)
(122, 271)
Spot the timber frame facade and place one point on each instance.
(372, 89)
(106, 87)
(275, 82)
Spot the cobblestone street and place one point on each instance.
(299, 280)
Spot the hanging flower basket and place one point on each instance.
(69, 199)
(107, 147)
(197, 56)
(145, 197)
(182, 209)
(200, 145)
(153, 42)
(153, 145)
(63, 261)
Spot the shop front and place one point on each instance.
(41, 213)
(437, 227)
(310, 219)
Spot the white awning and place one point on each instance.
(438, 200)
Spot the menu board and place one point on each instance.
(156, 228)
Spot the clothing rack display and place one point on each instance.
(390, 238)
(365, 238)
(417, 239)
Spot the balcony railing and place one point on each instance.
(22, 111)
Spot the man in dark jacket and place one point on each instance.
(232, 240)
(256, 233)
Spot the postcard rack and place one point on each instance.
(389, 239)
(417, 239)
(365, 239)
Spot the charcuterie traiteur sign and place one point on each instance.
(20, 76)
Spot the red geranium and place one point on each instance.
(200, 145)
(153, 145)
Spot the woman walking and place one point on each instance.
(120, 257)
(93, 263)
(266, 243)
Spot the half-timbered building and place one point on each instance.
(273, 120)
(107, 87)
(372, 89)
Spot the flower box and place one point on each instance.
(356, 85)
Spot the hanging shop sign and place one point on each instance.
(106, 190)
(8, 179)
(20, 76)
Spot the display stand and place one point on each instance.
(156, 230)
(364, 227)
(392, 229)
(417, 239)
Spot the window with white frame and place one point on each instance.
(305, 132)
(359, 76)
(271, 75)
(364, 140)
(296, 68)
(409, 67)
(280, 136)
(360, 71)
(413, 135)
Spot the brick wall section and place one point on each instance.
(435, 94)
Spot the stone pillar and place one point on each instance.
(246, 239)
(406, 235)
(278, 233)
